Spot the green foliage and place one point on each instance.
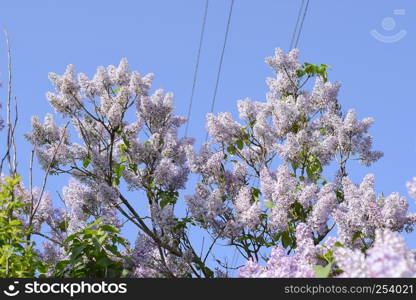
(94, 252)
(323, 271)
(168, 197)
(287, 240)
(86, 162)
(329, 269)
(118, 173)
(17, 256)
(255, 194)
(312, 70)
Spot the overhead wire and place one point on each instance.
(198, 56)
(227, 30)
(295, 30)
(301, 24)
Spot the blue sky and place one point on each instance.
(161, 36)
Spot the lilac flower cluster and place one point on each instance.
(362, 212)
(147, 261)
(308, 131)
(83, 201)
(39, 205)
(388, 257)
(145, 152)
(260, 180)
(281, 265)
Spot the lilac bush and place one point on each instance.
(263, 186)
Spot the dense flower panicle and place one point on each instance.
(279, 189)
(204, 204)
(147, 262)
(38, 205)
(68, 100)
(52, 144)
(322, 209)
(279, 265)
(309, 195)
(84, 201)
(248, 110)
(305, 246)
(46, 133)
(52, 254)
(285, 66)
(324, 95)
(77, 198)
(156, 110)
(248, 211)
(237, 198)
(42, 207)
(223, 128)
(170, 175)
(389, 257)
(411, 188)
(363, 212)
(352, 137)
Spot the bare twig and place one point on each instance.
(45, 178)
(10, 141)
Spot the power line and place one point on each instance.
(221, 60)
(303, 9)
(201, 38)
(296, 26)
(301, 24)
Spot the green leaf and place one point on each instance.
(232, 150)
(269, 204)
(109, 228)
(133, 167)
(323, 272)
(76, 251)
(86, 162)
(240, 144)
(286, 239)
(126, 142)
(357, 235)
(255, 192)
(63, 226)
(15, 222)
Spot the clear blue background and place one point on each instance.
(378, 79)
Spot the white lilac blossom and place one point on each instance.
(280, 190)
(38, 207)
(305, 246)
(322, 209)
(362, 212)
(83, 202)
(388, 257)
(248, 211)
(223, 128)
(147, 261)
(285, 67)
(302, 128)
(127, 140)
(205, 205)
(324, 95)
(52, 254)
(279, 265)
(411, 188)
